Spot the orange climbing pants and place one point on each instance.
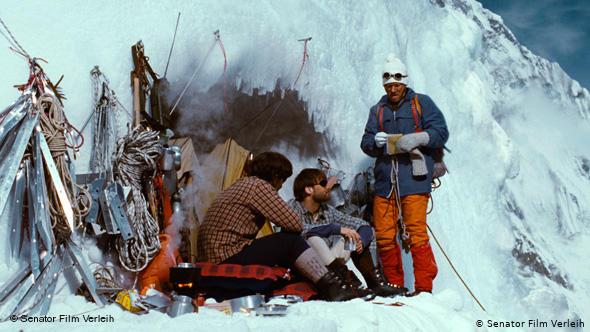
(385, 215)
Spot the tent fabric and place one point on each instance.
(220, 169)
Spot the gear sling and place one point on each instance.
(437, 154)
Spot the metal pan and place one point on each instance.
(246, 303)
(272, 310)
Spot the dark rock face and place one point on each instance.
(526, 254)
(258, 122)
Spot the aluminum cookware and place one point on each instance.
(246, 303)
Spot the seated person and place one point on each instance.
(325, 227)
(228, 232)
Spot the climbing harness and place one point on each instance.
(437, 154)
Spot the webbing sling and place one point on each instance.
(439, 153)
(416, 113)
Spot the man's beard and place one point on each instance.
(319, 198)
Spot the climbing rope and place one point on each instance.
(303, 61)
(454, 269)
(404, 236)
(12, 40)
(222, 48)
(135, 159)
(190, 81)
(105, 276)
(54, 125)
(172, 46)
(305, 57)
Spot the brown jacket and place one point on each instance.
(236, 215)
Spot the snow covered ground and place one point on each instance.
(423, 313)
(513, 214)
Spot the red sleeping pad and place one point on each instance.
(226, 281)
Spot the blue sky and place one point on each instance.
(558, 30)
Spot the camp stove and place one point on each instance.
(185, 278)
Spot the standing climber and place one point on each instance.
(403, 173)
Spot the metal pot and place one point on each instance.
(246, 303)
(180, 305)
(185, 278)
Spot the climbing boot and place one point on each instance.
(339, 267)
(374, 277)
(333, 289)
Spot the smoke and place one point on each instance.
(173, 229)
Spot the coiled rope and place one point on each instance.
(54, 125)
(135, 160)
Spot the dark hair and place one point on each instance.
(307, 178)
(271, 166)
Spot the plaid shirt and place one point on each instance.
(326, 215)
(236, 216)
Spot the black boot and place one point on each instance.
(333, 289)
(339, 267)
(374, 277)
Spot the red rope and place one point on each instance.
(305, 56)
(220, 43)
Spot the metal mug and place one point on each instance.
(350, 244)
(180, 305)
(167, 161)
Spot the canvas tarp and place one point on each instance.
(219, 170)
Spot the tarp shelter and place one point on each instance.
(220, 169)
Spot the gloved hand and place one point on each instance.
(411, 141)
(380, 139)
(439, 170)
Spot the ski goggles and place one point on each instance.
(397, 76)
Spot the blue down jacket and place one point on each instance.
(399, 120)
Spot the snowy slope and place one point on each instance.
(514, 214)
